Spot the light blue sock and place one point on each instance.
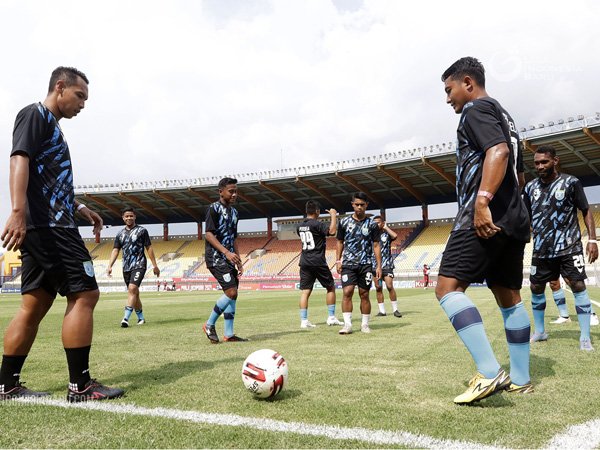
(128, 311)
(229, 316)
(516, 325)
(331, 309)
(467, 322)
(140, 314)
(583, 307)
(218, 309)
(561, 302)
(538, 306)
(303, 314)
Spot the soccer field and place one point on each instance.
(391, 388)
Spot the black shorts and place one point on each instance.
(308, 275)
(56, 260)
(134, 276)
(226, 276)
(360, 276)
(498, 260)
(571, 267)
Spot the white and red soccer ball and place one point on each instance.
(265, 373)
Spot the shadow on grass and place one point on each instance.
(284, 395)
(541, 366)
(379, 326)
(274, 335)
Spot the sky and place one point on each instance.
(185, 89)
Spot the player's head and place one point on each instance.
(360, 202)
(379, 221)
(463, 81)
(546, 161)
(313, 208)
(228, 190)
(68, 92)
(128, 216)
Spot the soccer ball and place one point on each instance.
(265, 373)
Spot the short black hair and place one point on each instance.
(360, 196)
(467, 66)
(377, 217)
(69, 74)
(226, 181)
(549, 149)
(127, 209)
(312, 206)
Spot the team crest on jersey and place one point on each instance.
(89, 268)
(536, 194)
(383, 238)
(227, 277)
(350, 227)
(559, 194)
(345, 277)
(533, 270)
(365, 230)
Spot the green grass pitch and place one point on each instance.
(401, 377)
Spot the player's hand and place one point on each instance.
(484, 225)
(93, 218)
(332, 212)
(156, 271)
(591, 251)
(109, 271)
(233, 258)
(338, 267)
(378, 273)
(14, 231)
(240, 269)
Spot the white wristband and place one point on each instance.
(592, 241)
(80, 207)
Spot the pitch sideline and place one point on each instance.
(382, 437)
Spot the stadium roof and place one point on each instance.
(424, 175)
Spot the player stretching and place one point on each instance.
(313, 265)
(489, 234)
(553, 200)
(133, 239)
(42, 225)
(386, 237)
(358, 241)
(223, 259)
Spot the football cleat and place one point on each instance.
(538, 337)
(594, 320)
(397, 314)
(211, 333)
(380, 314)
(347, 329)
(332, 320)
(516, 389)
(92, 391)
(234, 338)
(561, 320)
(481, 387)
(365, 328)
(19, 391)
(307, 324)
(586, 345)
(124, 323)
(141, 321)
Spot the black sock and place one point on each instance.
(79, 367)
(11, 369)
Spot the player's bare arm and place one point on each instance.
(91, 216)
(152, 257)
(333, 224)
(591, 250)
(113, 257)
(377, 252)
(494, 170)
(231, 256)
(16, 228)
(338, 255)
(393, 235)
(240, 266)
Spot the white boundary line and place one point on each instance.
(593, 301)
(584, 436)
(381, 437)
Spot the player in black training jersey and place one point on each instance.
(133, 239)
(313, 265)
(223, 259)
(553, 200)
(386, 237)
(358, 242)
(54, 257)
(489, 234)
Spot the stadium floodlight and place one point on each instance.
(570, 119)
(580, 117)
(523, 130)
(540, 125)
(531, 127)
(551, 124)
(561, 121)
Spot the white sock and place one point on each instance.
(381, 307)
(394, 306)
(347, 318)
(365, 319)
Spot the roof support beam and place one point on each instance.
(101, 202)
(360, 187)
(313, 187)
(529, 146)
(171, 200)
(283, 195)
(579, 155)
(450, 178)
(254, 203)
(413, 191)
(201, 195)
(144, 206)
(592, 136)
